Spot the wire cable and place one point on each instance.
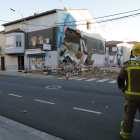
(103, 16)
(137, 14)
(113, 19)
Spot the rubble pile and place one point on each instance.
(74, 55)
(90, 73)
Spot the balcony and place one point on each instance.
(14, 42)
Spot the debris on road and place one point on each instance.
(92, 102)
(24, 111)
(89, 74)
(17, 84)
(106, 107)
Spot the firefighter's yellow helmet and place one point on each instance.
(136, 50)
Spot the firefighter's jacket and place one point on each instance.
(132, 76)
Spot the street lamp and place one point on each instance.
(20, 13)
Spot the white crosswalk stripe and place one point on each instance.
(114, 81)
(80, 79)
(103, 80)
(91, 79)
(62, 78)
(72, 78)
(88, 80)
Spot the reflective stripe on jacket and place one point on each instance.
(132, 76)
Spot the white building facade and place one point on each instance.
(37, 44)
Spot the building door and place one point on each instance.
(2, 63)
(20, 62)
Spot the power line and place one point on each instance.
(137, 14)
(103, 16)
(113, 19)
(37, 25)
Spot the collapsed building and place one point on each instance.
(73, 50)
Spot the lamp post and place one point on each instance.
(20, 13)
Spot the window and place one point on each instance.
(32, 41)
(95, 45)
(9, 41)
(40, 39)
(100, 46)
(18, 41)
(88, 25)
(20, 44)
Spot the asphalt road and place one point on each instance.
(72, 112)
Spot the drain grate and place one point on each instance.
(53, 87)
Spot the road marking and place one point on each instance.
(87, 110)
(2, 77)
(0, 91)
(14, 95)
(80, 79)
(91, 79)
(103, 80)
(73, 78)
(114, 81)
(61, 78)
(136, 120)
(43, 101)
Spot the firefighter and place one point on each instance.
(130, 74)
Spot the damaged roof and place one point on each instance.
(38, 15)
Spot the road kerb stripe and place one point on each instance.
(136, 120)
(43, 101)
(14, 95)
(87, 110)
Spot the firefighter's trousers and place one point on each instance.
(130, 109)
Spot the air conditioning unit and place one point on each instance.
(46, 41)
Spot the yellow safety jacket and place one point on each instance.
(132, 76)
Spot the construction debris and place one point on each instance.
(89, 74)
(76, 55)
(24, 111)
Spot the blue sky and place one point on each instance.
(116, 30)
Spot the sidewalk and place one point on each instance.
(12, 130)
(28, 75)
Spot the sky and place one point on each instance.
(115, 30)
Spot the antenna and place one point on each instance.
(39, 8)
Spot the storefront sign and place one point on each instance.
(32, 51)
(46, 47)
